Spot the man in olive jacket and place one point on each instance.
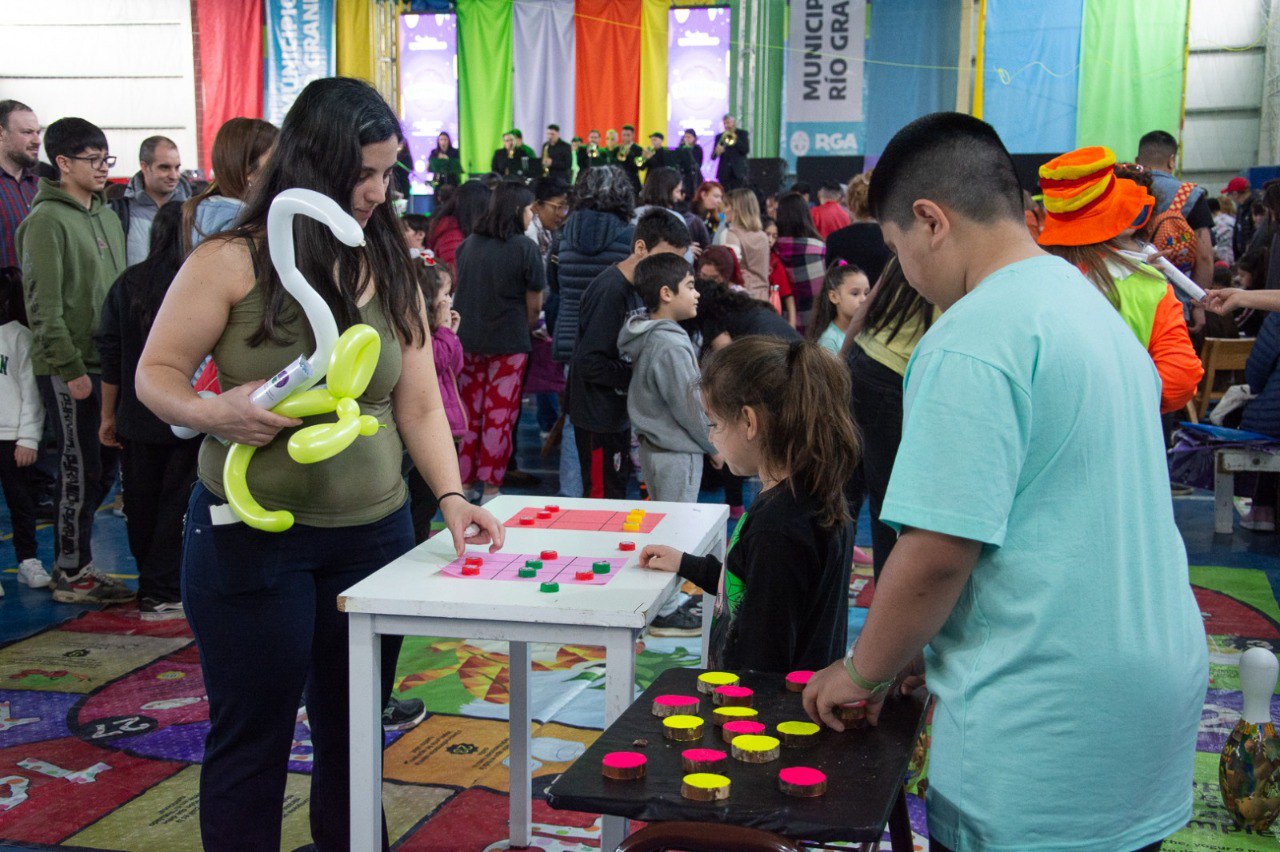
(72, 249)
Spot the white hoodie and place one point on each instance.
(21, 412)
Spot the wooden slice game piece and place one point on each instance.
(852, 715)
(755, 748)
(797, 681)
(798, 734)
(740, 728)
(802, 781)
(548, 556)
(675, 705)
(623, 765)
(682, 729)
(732, 696)
(732, 714)
(702, 759)
(708, 681)
(705, 787)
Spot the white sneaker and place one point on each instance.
(31, 573)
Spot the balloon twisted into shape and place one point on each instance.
(348, 360)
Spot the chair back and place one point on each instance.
(1220, 356)
(705, 837)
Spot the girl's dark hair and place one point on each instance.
(147, 287)
(766, 221)
(12, 307)
(800, 395)
(895, 303)
(505, 217)
(236, 149)
(319, 148)
(716, 303)
(725, 262)
(606, 189)
(1255, 263)
(658, 186)
(466, 205)
(430, 280)
(824, 312)
(794, 219)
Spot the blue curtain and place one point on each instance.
(906, 33)
(1031, 73)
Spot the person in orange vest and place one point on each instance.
(1090, 218)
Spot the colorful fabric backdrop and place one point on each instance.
(1050, 75)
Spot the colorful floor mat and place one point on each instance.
(102, 721)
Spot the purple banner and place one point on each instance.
(698, 76)
(428, 88)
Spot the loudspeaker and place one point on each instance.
(816, 171)
(766, 174)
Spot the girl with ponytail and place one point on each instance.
(778, 410)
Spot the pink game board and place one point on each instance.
(562, 569)
(585, 520)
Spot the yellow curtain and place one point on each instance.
(653, 69)
(354, 19)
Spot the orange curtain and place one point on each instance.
(607, 44)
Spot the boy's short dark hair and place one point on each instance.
(630, 127)
(547, 188)
(662, 226)
(554, 127)
(416, 222)
(656, 135)
(68, 137)
(951, 159)
(657, 271)
(1157, 145)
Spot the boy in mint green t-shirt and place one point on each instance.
(1038, 557)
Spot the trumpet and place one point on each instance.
(622, 154)
(729, 139)
(593, 149)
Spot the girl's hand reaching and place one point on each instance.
(659, 557)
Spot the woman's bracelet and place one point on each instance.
(440, 499)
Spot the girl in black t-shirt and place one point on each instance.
(780, 411)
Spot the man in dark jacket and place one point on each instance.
(557, 155)
(630, 156)
(598, 374)
(732, 148)
(159, 180)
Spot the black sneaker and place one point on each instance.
(682, 622)
(519, 479)
(153, 609)
(401, 715)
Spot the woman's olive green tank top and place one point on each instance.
(361, 484)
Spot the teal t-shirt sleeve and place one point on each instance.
(965, 433)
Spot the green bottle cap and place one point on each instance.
(528, 572)
(535, 564)
(549, 587)
(601, 567)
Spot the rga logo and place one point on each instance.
(835, 142)
(799, 143)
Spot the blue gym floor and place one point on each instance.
(26, 611)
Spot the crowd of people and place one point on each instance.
(966, 356)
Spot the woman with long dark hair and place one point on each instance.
(663, 188)
(499, 297)
(261, 604)
(239, 151)
(877, 349)
(157, 466)
(456, 219)
(802, 252)
(445, 162)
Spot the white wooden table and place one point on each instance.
(411, 597)
(1227, 463)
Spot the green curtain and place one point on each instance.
(759, 27)
(1131, 72)
(485, 81)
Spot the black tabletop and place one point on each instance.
(865, 767)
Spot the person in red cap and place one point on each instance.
(1088, 213)
(1239, 191)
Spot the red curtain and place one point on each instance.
(607, 48)
(228, 36)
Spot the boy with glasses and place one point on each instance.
(72, 249)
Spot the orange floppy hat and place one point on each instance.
(1085, 203)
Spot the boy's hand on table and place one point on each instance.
(659, 557)
(831, 688)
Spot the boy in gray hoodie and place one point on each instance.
(662, 402)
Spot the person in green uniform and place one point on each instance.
(262, 605)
